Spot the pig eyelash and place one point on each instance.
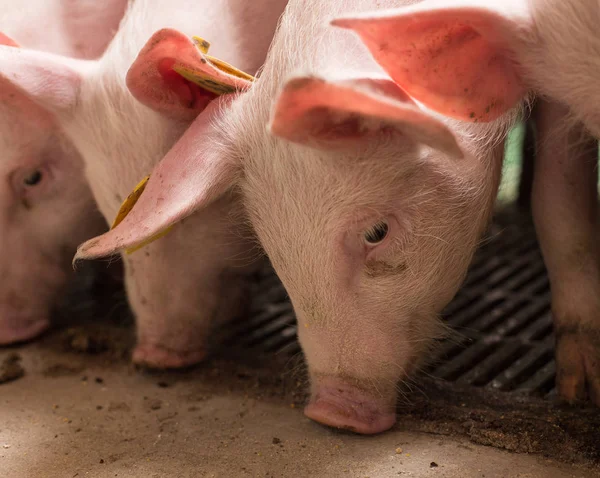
(377, 233)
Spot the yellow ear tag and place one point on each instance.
(126, 208)
(204, 81)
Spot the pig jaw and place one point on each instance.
(40, 225)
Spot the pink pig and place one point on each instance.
(180, 286)
(476, 60)
(75, 28)
(46, 207)
(369, 206)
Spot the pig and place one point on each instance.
(46, 206)
(75, 28)
(197, 276)
(476, 60)
(368, 205)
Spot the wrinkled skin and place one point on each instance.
(46, 207)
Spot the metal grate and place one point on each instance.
(502, 317)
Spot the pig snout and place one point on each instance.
(339, 404)
(16, 328)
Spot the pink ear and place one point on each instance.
(193, 174)
(339, 115)
(452, 56)
(153, 81)
(51, 81)
(6, 40)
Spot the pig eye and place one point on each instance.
(377, 233)
(32, 179)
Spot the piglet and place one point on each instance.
(74, 28)
(46, 207)
(369, 206)
(183, 284)
(477, 60)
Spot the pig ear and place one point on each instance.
(340, 115)
(167, 72)
(16, 100)
(6, 40)
(193, 174)
(49, 80)
(452, 56)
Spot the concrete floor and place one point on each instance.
(92, 415)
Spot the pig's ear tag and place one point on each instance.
(126, 208)
(205, 80)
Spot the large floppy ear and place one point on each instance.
(193, 174)
(51, 81)
(343, 114)
(455, 56)
(173, 75)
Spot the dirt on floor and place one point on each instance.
(71, 405)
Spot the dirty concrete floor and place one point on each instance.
(76, 414)
(71, 405)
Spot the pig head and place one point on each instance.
(181, 286)
(476, 60)
(74, 28)
(369, 207)
(46, 209)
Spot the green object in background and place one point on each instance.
(511, 168)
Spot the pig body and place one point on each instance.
(369, 206)
(74, 28)
(46, 207)
(183, 284)
(477, 59)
